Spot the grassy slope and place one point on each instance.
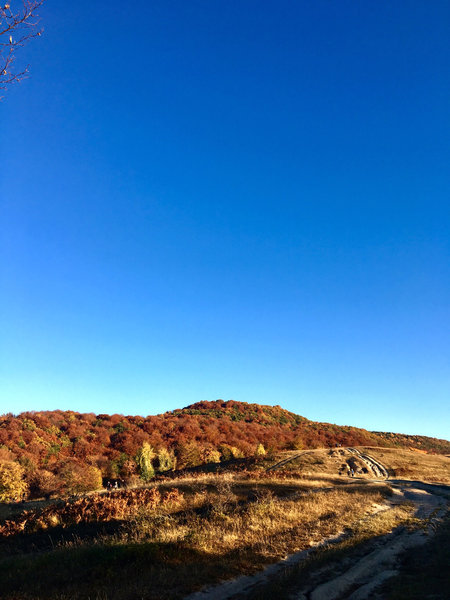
(410, 464)
(228, 525)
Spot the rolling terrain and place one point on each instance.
(66, 452)
(274, 514)
(294, 525)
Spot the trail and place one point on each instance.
(375, 466)
(358, 579)
(379, 471)
(285, 461)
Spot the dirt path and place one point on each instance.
(285, 461)
(358, 579)
(379, 470)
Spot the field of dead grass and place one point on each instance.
(325, 463)
(222, 527)
(414, 465)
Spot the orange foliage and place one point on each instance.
(46, 441)
(96, 508)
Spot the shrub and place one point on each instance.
(210, 455)
(95, 508)
(128, 471)
(78, 478)
(44, 483)
(229, 452)
(188, 455)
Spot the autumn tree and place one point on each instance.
(260, 451)
(128, 472)
(144, 459)
(79, 478)
(12, 483)
(17, 27)
(230, 452)
(44, 483)
(209, 454)
(166, 460)
(188, 455)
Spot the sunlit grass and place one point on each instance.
(226, 526)
(411, 464)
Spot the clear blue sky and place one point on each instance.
(242, 200)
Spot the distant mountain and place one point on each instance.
(58, 445)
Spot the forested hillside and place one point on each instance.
(64, 451)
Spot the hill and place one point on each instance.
(66, 451)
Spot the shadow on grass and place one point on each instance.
(435, 488)
(149, 570)
(153, 571)
(97, 566)
(48, 539)
(425, 571)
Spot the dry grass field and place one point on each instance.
(401, 464)
(413, 464)
(222, 527)
(322, 464)
(183, 533)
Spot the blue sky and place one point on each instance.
(238, 200)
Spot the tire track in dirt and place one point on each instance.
(285, 461)
(378, 469)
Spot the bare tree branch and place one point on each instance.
(17, 27)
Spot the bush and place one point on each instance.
(44, 483)
(260, 450)
(78, 478)
(210, 455)
(188, 455)
(229, 452)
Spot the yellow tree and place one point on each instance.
(12, 484)
(260, 450)
(166, 460)
(144, 459)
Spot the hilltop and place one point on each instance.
(65, 450)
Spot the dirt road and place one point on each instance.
(379, 471)
(359, 578)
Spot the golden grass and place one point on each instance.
(326, 463)
(227, 525)
(410, 464)
(270, 524)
